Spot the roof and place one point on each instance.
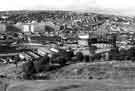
(84, 36)
(94, 21)
(8, 54)
(102, 50)
(128, 27)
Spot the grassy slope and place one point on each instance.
(72, 85)
(75, 85)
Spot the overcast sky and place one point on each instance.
(126, 7)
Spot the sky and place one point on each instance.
(123, 7)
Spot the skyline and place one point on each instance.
(120, 7)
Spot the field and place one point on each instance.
(98, 76)
(71, 85)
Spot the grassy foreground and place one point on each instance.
(99, 76)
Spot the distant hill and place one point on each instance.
(91, 10)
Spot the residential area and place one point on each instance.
(51, 45)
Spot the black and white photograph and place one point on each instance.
(67, 45)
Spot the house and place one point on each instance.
(34, 27)
(28, 28)
(2, 28)
(83, 39)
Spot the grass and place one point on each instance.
(99, 76)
